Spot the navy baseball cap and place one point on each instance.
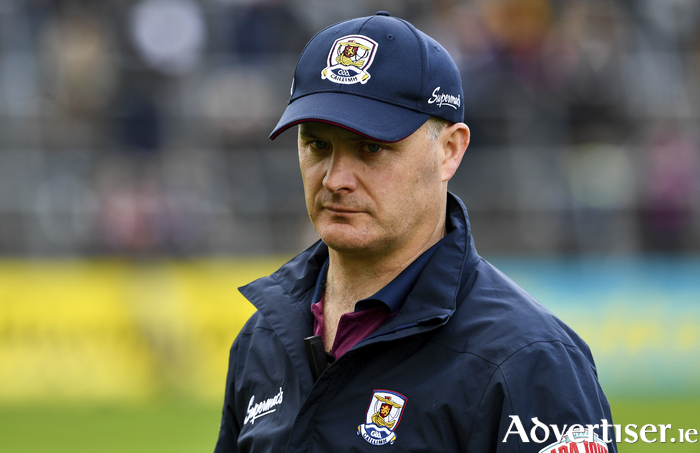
(377, 76)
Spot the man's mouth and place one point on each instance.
(337, 209)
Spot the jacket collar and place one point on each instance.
(433, 299)
(285, 297)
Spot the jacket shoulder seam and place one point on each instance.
(514, 351)
(465, 352)
(509, 394)
(550, 340)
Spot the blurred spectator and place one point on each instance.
(169, 35)
(238, 104)
(518, 26)
(603, 193)
(128, 206)
(79, 79)
(138, 119)
(671, 188)
(264, 28)
(595, 31)
(512, 96)
(79, 68)
(154, 205)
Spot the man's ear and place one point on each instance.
(455, 139)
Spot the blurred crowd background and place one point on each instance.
(139, 189)
(139, 128)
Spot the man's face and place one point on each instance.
(370, 197)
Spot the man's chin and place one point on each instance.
(346, 239)
(345, 246)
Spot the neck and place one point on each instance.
(353, 277)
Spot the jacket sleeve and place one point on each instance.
(230, 428)
(535, 396)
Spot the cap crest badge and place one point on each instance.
(382, 417)
(349, 59)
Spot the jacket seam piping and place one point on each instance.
(509, 396)
(552, 340)
(464, 352)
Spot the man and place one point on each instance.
(427, 346)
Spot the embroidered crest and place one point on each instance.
(349, 59)
(382, 417)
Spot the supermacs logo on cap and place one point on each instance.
(349, 59)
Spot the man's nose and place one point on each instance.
(340, 174)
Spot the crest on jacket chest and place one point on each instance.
(382, 417)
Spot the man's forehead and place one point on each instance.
(315, 128)
(319, 127)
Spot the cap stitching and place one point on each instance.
(424, 58)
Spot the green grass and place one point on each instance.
(679, 412)
(175, 427)
(164, 427)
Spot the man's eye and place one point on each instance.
(373, 148)
(319, 145)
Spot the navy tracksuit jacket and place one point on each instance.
(470, 360)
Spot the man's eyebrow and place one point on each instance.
(309, 133)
